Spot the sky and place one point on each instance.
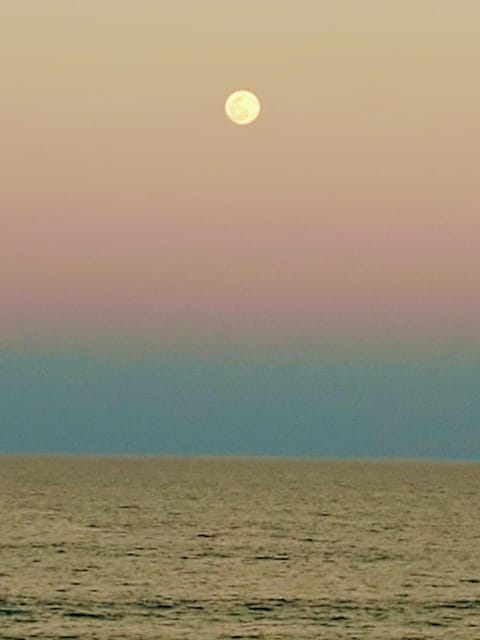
(247, 280)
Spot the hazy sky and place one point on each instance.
(136, 217)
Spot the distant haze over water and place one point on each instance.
(246, 403)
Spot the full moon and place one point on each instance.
(242, 107)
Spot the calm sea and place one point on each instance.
(155, 548)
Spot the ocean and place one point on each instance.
(222, 548)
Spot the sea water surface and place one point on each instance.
(153, 548)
